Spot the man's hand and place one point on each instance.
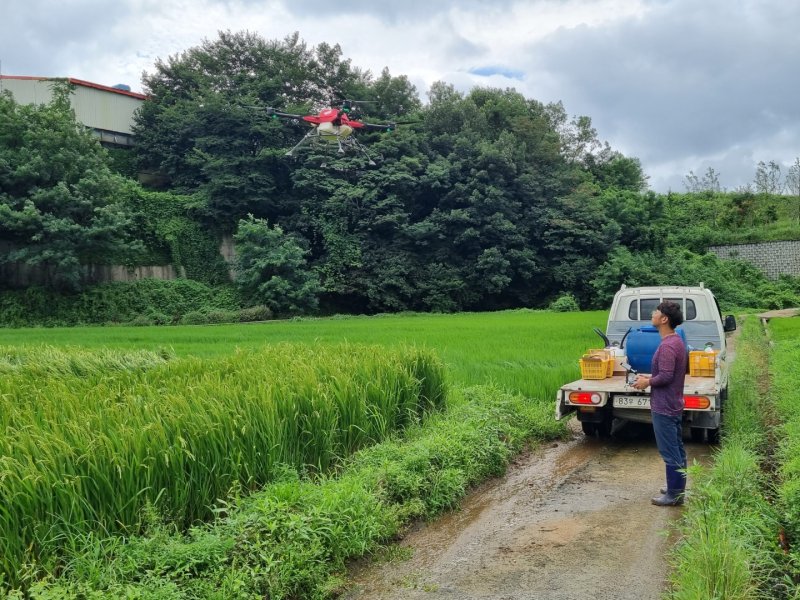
(642, 382)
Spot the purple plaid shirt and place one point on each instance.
(668, 375)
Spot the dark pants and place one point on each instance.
(669, 439)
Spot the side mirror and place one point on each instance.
(730, 323)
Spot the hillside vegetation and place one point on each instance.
(483, 200)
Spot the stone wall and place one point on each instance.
(773, 258)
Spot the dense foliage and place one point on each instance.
(142, 302)
(61, 207)
(172, 234)
(270, 269)
(481, 201)
(491, 200)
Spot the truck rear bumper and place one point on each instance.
(704, 419)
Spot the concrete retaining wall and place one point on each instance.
(773, 258)
(20, 275)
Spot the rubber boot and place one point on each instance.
(676, 485)
(663, 490)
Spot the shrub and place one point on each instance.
(565, 303)
(271, 269)
(147, 301)
(255, 313)
(194, 317)
(222, 316)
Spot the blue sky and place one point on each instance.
(682, 85)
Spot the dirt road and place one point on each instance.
(569, 521)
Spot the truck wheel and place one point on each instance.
(604, 428)
(589, 429)
(713, 436)
(697, 434)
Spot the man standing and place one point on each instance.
(668, 372)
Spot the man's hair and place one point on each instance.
(672, 311)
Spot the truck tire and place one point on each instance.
(713, 436)
(604, 428)
(697, 434)
(589, 429)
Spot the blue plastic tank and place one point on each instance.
(641, 344)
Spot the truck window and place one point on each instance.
(689, 310)
(640, 310)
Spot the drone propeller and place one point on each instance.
(275, 114)
(380, 126)
(388, 127)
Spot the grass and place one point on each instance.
(729, 531)
(786, 398)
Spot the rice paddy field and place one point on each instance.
(102, 425)
(525, 351)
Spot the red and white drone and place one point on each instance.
(333, 126)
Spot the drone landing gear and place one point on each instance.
(343, 144)
(311, 135)
(358, 146)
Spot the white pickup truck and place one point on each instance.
(598, 402)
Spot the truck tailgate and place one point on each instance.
(692, 385)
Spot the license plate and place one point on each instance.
(632, 401)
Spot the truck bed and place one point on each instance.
(692, 385)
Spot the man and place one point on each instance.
(668, 371)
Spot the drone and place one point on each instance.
(334, 125)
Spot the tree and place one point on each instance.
(768, 178)
(578, 138)
(709, 182)
(205, 129)
(793, 183)
(271, 269)
(61, 207)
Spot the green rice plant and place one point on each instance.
(528, 352)
(292, 539)
(87, 448)
(48, 361)
(744, 412)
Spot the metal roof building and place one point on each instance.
(108, 111)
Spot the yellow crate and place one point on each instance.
(594, 366)
(702, 363)
(607, 355)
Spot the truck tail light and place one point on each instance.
(699, 402)
(585, 398)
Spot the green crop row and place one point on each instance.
(785, 393)
(729, 530)
(291, 539)
(86, 448)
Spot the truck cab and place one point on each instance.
(599, 403)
